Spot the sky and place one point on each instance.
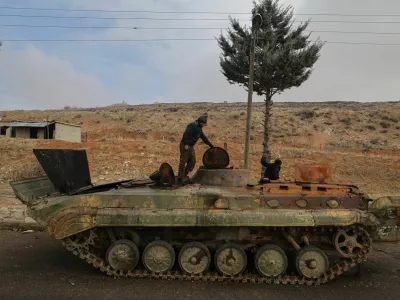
(44, 75)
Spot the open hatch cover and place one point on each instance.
(68, 170)
(216, 158)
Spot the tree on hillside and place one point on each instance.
(284, 56)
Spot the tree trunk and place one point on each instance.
(267, 131)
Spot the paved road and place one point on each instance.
(34, 266)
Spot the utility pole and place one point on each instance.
(48, 134)
(256, 23)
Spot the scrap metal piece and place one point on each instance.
(164, 176)
(316, 173)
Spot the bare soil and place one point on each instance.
(359, 141)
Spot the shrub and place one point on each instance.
(366, 148)
(392, 119)
(346, 121)
(78, 116)
(172, 140)
(305, 114)
(374, 141)
(370, 127)
(385, 124)
(235, 116)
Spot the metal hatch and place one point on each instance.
(68, 170)
(216, 158)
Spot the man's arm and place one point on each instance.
(205, 139)
(264, 162)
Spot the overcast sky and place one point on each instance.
(53, 75)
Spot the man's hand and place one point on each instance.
(187, 147)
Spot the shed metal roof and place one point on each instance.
(29, 124)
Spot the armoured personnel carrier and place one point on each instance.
(216, 228)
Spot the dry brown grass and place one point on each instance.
(28, 171)
(131, 141)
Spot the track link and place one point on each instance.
(333, 272)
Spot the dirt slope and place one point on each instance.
(360, 142)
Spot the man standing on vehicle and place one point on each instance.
(187, 161)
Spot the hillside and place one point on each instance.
(360, 141)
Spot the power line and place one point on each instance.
(352, 22)
(123, 11)
(105, 40)
(174, 39)
(182, 28)
(119, 18)
(362, 43)
(188, 12)
(354, 32)
(191, 19)
(110, 27)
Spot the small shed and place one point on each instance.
(44, 130)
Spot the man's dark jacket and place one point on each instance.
(271, 170)
(192, 134)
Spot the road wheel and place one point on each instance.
(271, 261)
(311, 262)
(123, 255)
(158, 257)
(230, 259)
(194, 258)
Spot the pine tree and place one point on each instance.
(284, 56)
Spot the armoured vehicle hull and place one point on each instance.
(298, 233)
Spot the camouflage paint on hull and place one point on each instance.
(200, 207)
